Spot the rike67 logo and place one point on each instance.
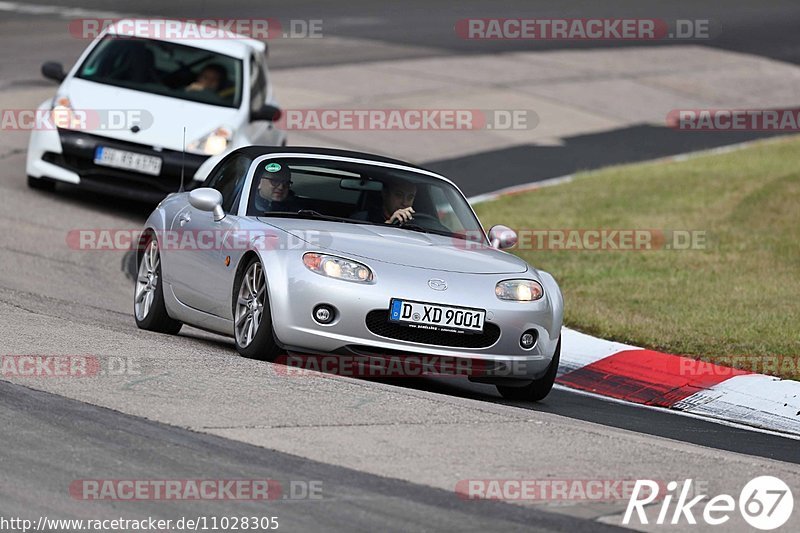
(765, 503)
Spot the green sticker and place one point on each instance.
(273, 167)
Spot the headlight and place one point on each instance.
(64, 116)
(337, 267)
(214, 143)
(519, 290)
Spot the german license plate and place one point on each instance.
(436, 317)
(111, 157)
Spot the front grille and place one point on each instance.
(378, 323)
(78, 156)
(117, 178)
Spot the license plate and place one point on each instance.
(436, 317)
(111, 157)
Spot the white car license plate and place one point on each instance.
(111, 157)
(436, 317)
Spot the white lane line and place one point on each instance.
(758, 399)
(60, 11)
(706, 418)
(525, 187)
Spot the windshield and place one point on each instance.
(361, 193)
(166, 69)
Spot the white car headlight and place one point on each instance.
(519, 290)
(214, 143)
(64, 116)
(337, 267)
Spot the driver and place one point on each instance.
(211, 78)
(274, 190)
(396, 207)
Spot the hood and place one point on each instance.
(162, 117)
(398, 246)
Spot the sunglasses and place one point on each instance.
(277, 182)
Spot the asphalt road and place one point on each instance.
(388, 454)
(363, 31)
(66, 436)
(426, 28)
(525, 164)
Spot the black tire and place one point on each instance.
(539, 388)
(261, 345)
(41, 184)
(154, 317)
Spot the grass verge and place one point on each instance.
(735, 300)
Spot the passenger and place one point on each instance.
(274, 190)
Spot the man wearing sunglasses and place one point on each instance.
(275, 190)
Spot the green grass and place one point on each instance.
(738, 296)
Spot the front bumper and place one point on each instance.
(68, 156)
(500, 355)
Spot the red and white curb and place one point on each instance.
(645, 377)
(656, 379)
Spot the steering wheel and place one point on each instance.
(428, 222)
(415, 217)
(425, 216)
(178, 76)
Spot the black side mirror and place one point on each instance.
(267, 112)
(53, 70)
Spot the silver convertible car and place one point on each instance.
(331, 252)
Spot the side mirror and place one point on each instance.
(53, 70)
(267, 112)
(502, 237)
(207, 199)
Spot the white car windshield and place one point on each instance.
(360, 193)
(166, 69)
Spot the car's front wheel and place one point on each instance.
(539, 388)
(252, 317)
(149, 309)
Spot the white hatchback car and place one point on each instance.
(218, 89)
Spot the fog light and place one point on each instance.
(324, 314)
(528, 339)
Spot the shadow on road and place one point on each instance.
(101, 203)
(488, 171)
